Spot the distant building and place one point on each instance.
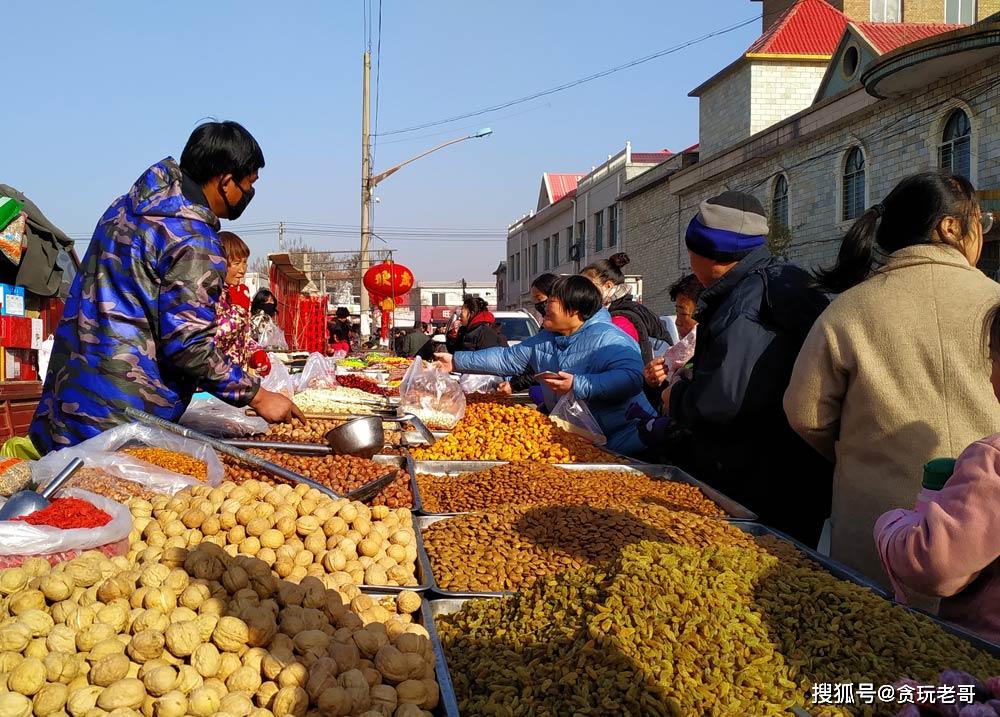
(437, 301)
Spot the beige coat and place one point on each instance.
(893, 374)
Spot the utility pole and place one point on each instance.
(281, 236)
(366, 188)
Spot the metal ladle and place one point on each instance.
(26, 502)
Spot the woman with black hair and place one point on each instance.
(263, 328)
(478, 330)
(631, 317)
(893, 373)
(541, 287)
(578, 350)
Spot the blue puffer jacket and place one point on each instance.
(606, 367)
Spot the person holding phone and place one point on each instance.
(578, 350)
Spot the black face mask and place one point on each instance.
(235, 210)
(540, 307)
(270, 309)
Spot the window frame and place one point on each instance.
(952, 145)
(613, 225)
(956, 18)
(533, 263)
(599, 230)
(546, 251)
(884, 4)
(849, 190)
(781, 181)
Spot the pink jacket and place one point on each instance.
(625, 325)
(952, 550)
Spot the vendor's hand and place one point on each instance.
(563, 383)
(505, 389)
(275, 407)
(655, 372)
(444, 362)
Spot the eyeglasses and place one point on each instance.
(987, 218)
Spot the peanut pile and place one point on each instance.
(171, 461)
(492, 431)
(315, 430)
(511, 548)
(543, 484)
(110, 486)
(672, 629)
(341, 473)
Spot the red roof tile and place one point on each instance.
(888, 36)
(559, 185)
(651, 157)
(693, 148)
(809, 27)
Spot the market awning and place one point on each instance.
(40, 271)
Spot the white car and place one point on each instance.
(670, 324)
(516, 326)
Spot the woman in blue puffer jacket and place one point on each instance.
(581, 351)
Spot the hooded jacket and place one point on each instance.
(478, 335)
(140, 321)
(606, 368)
(751, 325)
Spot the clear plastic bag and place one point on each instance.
(272, 337)
(476, 383)
(319, 372)
(101, 452)
(572, 414)
(23, 540)
(431, 395)
(278, 380)
(217, 418)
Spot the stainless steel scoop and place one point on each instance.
(26, 502)
(365, 436)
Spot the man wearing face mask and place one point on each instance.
(139, 324)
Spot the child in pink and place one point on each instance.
(952, 549)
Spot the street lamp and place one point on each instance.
(368, 185)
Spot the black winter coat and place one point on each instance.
(476, 337)
(646, 323)
(751, 326)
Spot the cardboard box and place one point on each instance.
(16, 332)
(18, 365)
(13, 300)
(37, 330)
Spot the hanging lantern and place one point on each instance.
(388, 280)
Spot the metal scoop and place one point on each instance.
(365, 436)
(26, 502)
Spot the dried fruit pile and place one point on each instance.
(496, 432)
(171, 460)
(362, 384)
(544, 484)
(297, 532)
(673, 629)
(512, 547)
(314, 431)
(120, 489)
(341, 473)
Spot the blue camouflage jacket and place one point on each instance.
(139, 324)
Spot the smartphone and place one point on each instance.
(545, 375)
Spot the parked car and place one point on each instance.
(670, 323)
(516, 326)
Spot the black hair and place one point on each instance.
(342, 312)
(544, 283)
(475, 305)
(262, 297)
(217, 148)
(341, 333)
(578, 295)
(907, 217)
(609, 269)
(687, 286)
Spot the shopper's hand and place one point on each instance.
(665, 397)
(505, 389)
(562, 383)
(655, 372)
(444, 362)
(275, 407)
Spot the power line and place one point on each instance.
(575, 83)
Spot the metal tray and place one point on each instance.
(422, 521)
(734, 511)
(425, 579)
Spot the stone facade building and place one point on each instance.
(891, 100)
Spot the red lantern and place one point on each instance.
(385, 283)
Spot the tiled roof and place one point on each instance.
(559, 185)
(693, 148)
(807, 28)
(888, 36)
(651, 157)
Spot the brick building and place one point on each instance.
(892, 99)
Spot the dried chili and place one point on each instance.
(68, 513)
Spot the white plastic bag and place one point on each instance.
(431, 395)
(23, 539)
(319, 372)
(476, 383)
(217, 418)
(572, 414)
(101, 452)
(278, 380)
(272, 338)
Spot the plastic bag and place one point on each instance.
(319, 372)
(21, 540)
(101, 452)
(678, 356)
(476, 383)
(278, 380)
(217, 418)
(272, 337)
(432, 396)
(571, 414)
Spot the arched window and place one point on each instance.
(955, 153)
(779, 202)
(854, 185)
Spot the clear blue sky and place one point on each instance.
(105, 89)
